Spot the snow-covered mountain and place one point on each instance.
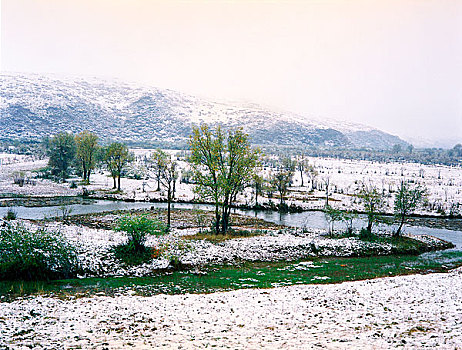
(33, 106)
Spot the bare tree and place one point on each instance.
(168, 177)
(312, 174)
(326, 181)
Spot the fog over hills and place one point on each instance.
(33, 106)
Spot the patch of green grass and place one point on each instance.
(246, 275)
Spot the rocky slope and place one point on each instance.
(32, 106)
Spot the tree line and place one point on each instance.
(222, 164)
(82, 153)
(408, 199)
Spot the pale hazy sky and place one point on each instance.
(395, 65)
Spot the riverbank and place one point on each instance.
(417, 311)
(94, 240)
(29, 207)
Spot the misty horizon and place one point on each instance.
(393, 66)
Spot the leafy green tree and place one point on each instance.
(332, 215)
(280, 180)
(373, 202)
(288, 163)
(223, 165)
(116, 157)
(407, 200)
(61, 151)
(87, 145)
(137, 228)
(257, 184)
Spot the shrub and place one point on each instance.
(10, 214)
(35, 255)
(137, 228)
(366, 235)
(73, 185)
(19, 178)
(125, 253)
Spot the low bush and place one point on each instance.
(10, 214)
(137, 227)
(125, 253)
(35, 255)
(366, 235)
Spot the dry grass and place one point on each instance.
(232, 234)
(181, 219)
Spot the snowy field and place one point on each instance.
(410, 312)
(96, 257)
(444, 183)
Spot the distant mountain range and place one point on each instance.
(33, 106)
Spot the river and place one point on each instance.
(309, 219)
(249, 275)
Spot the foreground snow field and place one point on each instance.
(412, 312)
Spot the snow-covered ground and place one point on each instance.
(444, 183)
(96, 258)
(411, 312)
(408, 311)
(24, 166)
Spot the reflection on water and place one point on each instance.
(309, 219)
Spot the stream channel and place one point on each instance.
(248, 274)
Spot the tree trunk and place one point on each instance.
(401, 224)
(84, 172)
(115, 182)
(225, 220)
(301, 175)
(369, 225)
(118, 183)
(217, 220)
(88, 175)
(169, 201)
